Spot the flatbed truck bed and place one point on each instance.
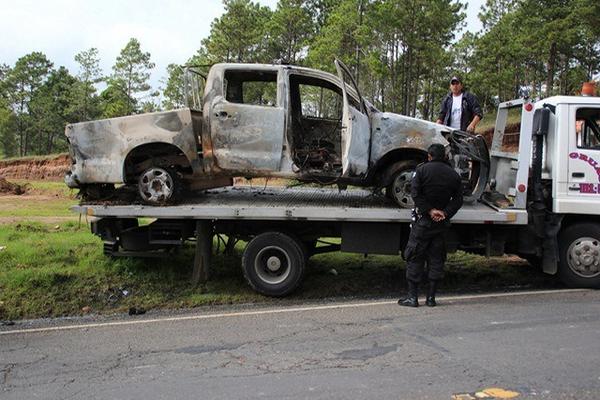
(296, 204)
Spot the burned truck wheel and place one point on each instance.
(579, 247)
(273, 264)
(159, 186)
(398, 190)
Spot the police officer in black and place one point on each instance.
(437, 192)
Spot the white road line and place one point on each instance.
(279, 311)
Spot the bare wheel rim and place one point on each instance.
(583, 257)
(272, 265)
(156, 185)
(401, 189)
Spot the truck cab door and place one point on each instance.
(356, 129)
(247, 122)
(583, 179)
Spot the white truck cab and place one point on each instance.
(553, 174)
(573, 154)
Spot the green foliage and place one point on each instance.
(51, 106)
(173, 92)
(114, 102)
(401, 53)
(239, 34)
(395, 48)
(289, 30)
(84, 101)
(8, 127)
(549, 47)
(129, 80)
(21, 85)
(42, 200)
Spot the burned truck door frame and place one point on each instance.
(247, 137)
(356, 128)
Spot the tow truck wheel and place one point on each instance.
(159, 186)
(274, 263)
(398, 190)
(579, 247)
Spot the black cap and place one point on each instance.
(455, 78)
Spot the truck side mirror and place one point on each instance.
(541, 120)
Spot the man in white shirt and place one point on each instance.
(460, 109)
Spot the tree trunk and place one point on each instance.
(360, 20)
(382, 88)
(407, 81)
(49, 142)
(551, 66)
(21, 137)
(394, 77)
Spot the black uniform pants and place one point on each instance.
(426, 243)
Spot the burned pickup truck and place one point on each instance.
(255, 120)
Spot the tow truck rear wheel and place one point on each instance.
(579, 247)
(274, 263)
(399, 188)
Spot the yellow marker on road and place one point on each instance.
(490, 393)
(464, 396)
(497, 393)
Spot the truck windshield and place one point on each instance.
(587, 128)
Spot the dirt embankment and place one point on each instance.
(52, 168)
(7, 187)
(510, 142)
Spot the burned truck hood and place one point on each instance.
(468, 154)
(392, 131)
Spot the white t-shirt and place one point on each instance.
(456, 111)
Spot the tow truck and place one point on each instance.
(542, 203)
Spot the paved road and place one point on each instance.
(544, 345)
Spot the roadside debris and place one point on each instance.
(136, 311)
(115, 294)
(7, 187)
(86, 309)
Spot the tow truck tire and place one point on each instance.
(274, 263)
(401, 174)
(579, 247)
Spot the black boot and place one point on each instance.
(412, 300)
(430, 301)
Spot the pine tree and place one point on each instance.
(129, 80)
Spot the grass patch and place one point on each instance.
(51, 188)
(43, 199)
(49, 270)
(489, 120)
(57, 269)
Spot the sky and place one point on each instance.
(171, 30)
